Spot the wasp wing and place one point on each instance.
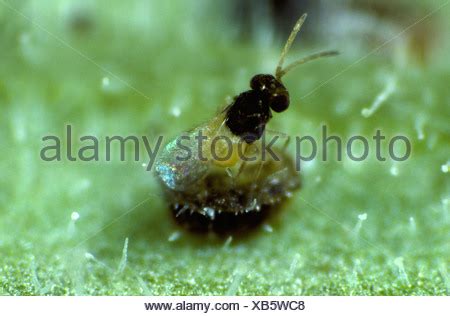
(183, 161)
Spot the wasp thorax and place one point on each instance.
(277, 94)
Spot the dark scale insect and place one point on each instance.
(215, 187)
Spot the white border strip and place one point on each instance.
(246, 305)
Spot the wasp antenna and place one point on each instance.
(282, 72)
(288, 44)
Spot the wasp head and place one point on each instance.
(276, 92)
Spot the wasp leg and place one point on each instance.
(287, 139)
(252, 201)
(244, 161)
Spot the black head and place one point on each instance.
(276, 92)
(251, 110)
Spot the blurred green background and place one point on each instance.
(158, 68)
